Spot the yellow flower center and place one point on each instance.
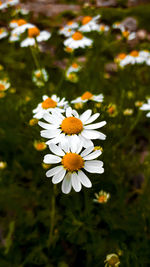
(72, 125)
(33, 32)
(0, 3)
(40, 146)
(86, 95)
(86, 20)
(49, 103)
(70, 22)
(101, 199)
(111, 110)
(21, 22)
(134, 53)
(122, 56)
(68, 49)
(72, 162)
(2, 87)
(77, 36)
(102, 27)
(75, 65)
(1, 31)
(125, 34)
(38, 74)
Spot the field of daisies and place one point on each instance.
(74, 137)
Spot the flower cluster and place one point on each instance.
(33, 34)
(126, 34)
(134, 57)
(70, 139)
(74, 32)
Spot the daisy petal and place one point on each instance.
(95, 125)
(66, 184)
(92, 118)
(84, 179)
(58, 177)
(86, 115)
(51, 159)
(93, 155)
(56, 150)
(50, 133)
(53, 171)
(75, 182)
(94, 166)
(92, 134)
(87, 151)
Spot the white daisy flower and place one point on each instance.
(102, 28)
(3, 33)
(89, 24)
(78, 40)
(66, 31)
(73, 68)
(22, 28)
(4, 85)
(72, 162)
(13, 24)
(39, 77)
(72, 127)
(12, 2)
(118, 25)
(34, 35)
(88, 96)
(2, 5)
(49, 104)
(131, 36)
(146, 107)
(14, 38)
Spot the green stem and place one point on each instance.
(35, 58)
(52, 217)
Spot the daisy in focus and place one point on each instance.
(40, 77)
(72, 162)
(89, 24)
(72, 127)
(146, 107)
(49, 104)
(88, 96)
(34, 35)
(78, 40)
(3, 33)
(101, 197)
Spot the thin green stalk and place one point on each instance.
(52, 218)
(35, 58)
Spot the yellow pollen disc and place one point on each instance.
(101, 199)
(122, 56)
(0, 3)
(134, 53)
(86, 95)
(40, 146)
(38, 74)
(75, 65)
(2, 87)
(1, 31)
(102, 27)
(86, 20)
(70, 22)
(49, 103)
(72, 162)
(33, 32)
(21, 22)
(111, 110)
(125, 34)
(72, 125)
(77, 36)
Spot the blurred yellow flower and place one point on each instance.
(39, 145)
